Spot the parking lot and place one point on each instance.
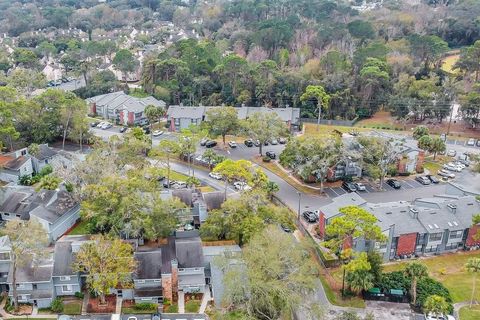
(408, 183)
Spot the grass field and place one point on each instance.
(192, 306)
(133, 310)
(449, 61)
(172, 308)
(380, 120)
(72, 308)
(470, 314)
(449, 270)
(80, 229)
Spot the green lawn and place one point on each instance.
(177, 176)
(335, 297)
(192, 306)
(172, 308)
(80, 229)
(449, 269)
(449, 61)
(470, 314)
(72, 308)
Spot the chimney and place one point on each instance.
(452, 207)
(414, 213)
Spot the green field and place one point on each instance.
(72, 308)
(470, 314)
(192, 306)
(80, 229)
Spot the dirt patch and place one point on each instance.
(94, 305)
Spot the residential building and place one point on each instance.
(34, 283)
(181, 117)
(56, 210)
(65, 280)
(45, 156)
(5, 251)
(425, 226)
(189, 257)
(15, 164)
(122, 108)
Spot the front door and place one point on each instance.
(119, 293)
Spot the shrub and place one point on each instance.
(394, 280)
(79, 295)
(9, 305)
(45, 171)
(427, 287)
(69, 186)
(25, 180)
(266, 159)
(57, 305)
(145, 306)
(392, 171)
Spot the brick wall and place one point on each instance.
(321, 225)
(167, 286)
(175, 280)
(131, 117)
(347, 243)
(474, 230)
(420, 161)
(406, 243)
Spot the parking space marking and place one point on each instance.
(339, 191)
(331, 192)
(408, 183)
(369, 188)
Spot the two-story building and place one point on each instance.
(15, 164)
(56, 210)
(5, 259)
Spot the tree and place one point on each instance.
(469, 60)
(275, 279)
(106, 262)
(436, 145)
(424, 142)
(8, 132)
(271, 188)
(436, 306)
(420, 131)
(187, 143)
(153, 114)
(28, 243)
(125, 62)
(473, 266)
(164, 217)
(231, 170)
(359, 277)
(378, 154)
(415, 271)
(72, 109)
(429, 48)
(166, 149)
(26, 80)
(264, 126)
(222, 121)
(49, 182)
(318, 94)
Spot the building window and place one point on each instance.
(140, 281)
(64, 278)
(456, 234)
(4, 256)
(6, 214)
(20, 285)
(67, 288)
(157, 280)
(24, 152)
(435, 236)
(177, 122)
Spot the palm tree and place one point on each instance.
(473, 265)
(436, 306)
(359, 280)
(415, 271)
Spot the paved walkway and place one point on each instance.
(460, 305)
(206, 298)
(181, 302)
(85, 303)
(118, 306)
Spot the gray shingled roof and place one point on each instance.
(120, 100)
(30, 273)
(149, 264)
(45, 152)
(213, 200)
(184, 195)
(347, 199)
(189, 252)
(63, 259)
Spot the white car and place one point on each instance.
(445, 173)
(458, 164)
(360, 186)
(452, 167)
(451, 153)
(439, 317)
(242, 186)
(215, 175)
(157, 133)
(471, 142)
(232, 144)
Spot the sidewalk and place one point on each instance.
(206, 298)
(181, 302)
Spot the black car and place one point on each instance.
(146, 130)
(282, 140)
(249, 143)
(123, 129)
(349, 186)
(271, 154)
(310, 216)
(94, 124)
(210, 144)
(265, 143)
(285, 228)
(433, 179)
(394, 183)
(203, 142)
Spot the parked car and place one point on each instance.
(256, 143)
(157, 133)
(271, 154)
(123, 129)
(282, 140)
(146, 130)
(451, 153)
(188, 227)
(446, 174)
(478, 143)
(232, 144)
(443, 136)
(265, 143)
(394, 183)
(215, 175)
(451, 167)
(106, 126)
(285, 228)
(360, 186)
(310, 216)
(349, 186)
(466, 163)
(179, 185)
(203, 141)
(432, 178)
(471, 142)
(242, 186)
(249, 143)
(458, 164)
(210, 144)
(423, 180)
(274, 142)
(94, 124)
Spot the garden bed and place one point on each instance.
(94, 305)
(130, 307)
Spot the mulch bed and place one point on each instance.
(196, 296)
(128, 303)
(94, 305)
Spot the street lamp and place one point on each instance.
(299, 204)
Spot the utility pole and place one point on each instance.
(449, 121)
(319, 114)
(299, 205)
